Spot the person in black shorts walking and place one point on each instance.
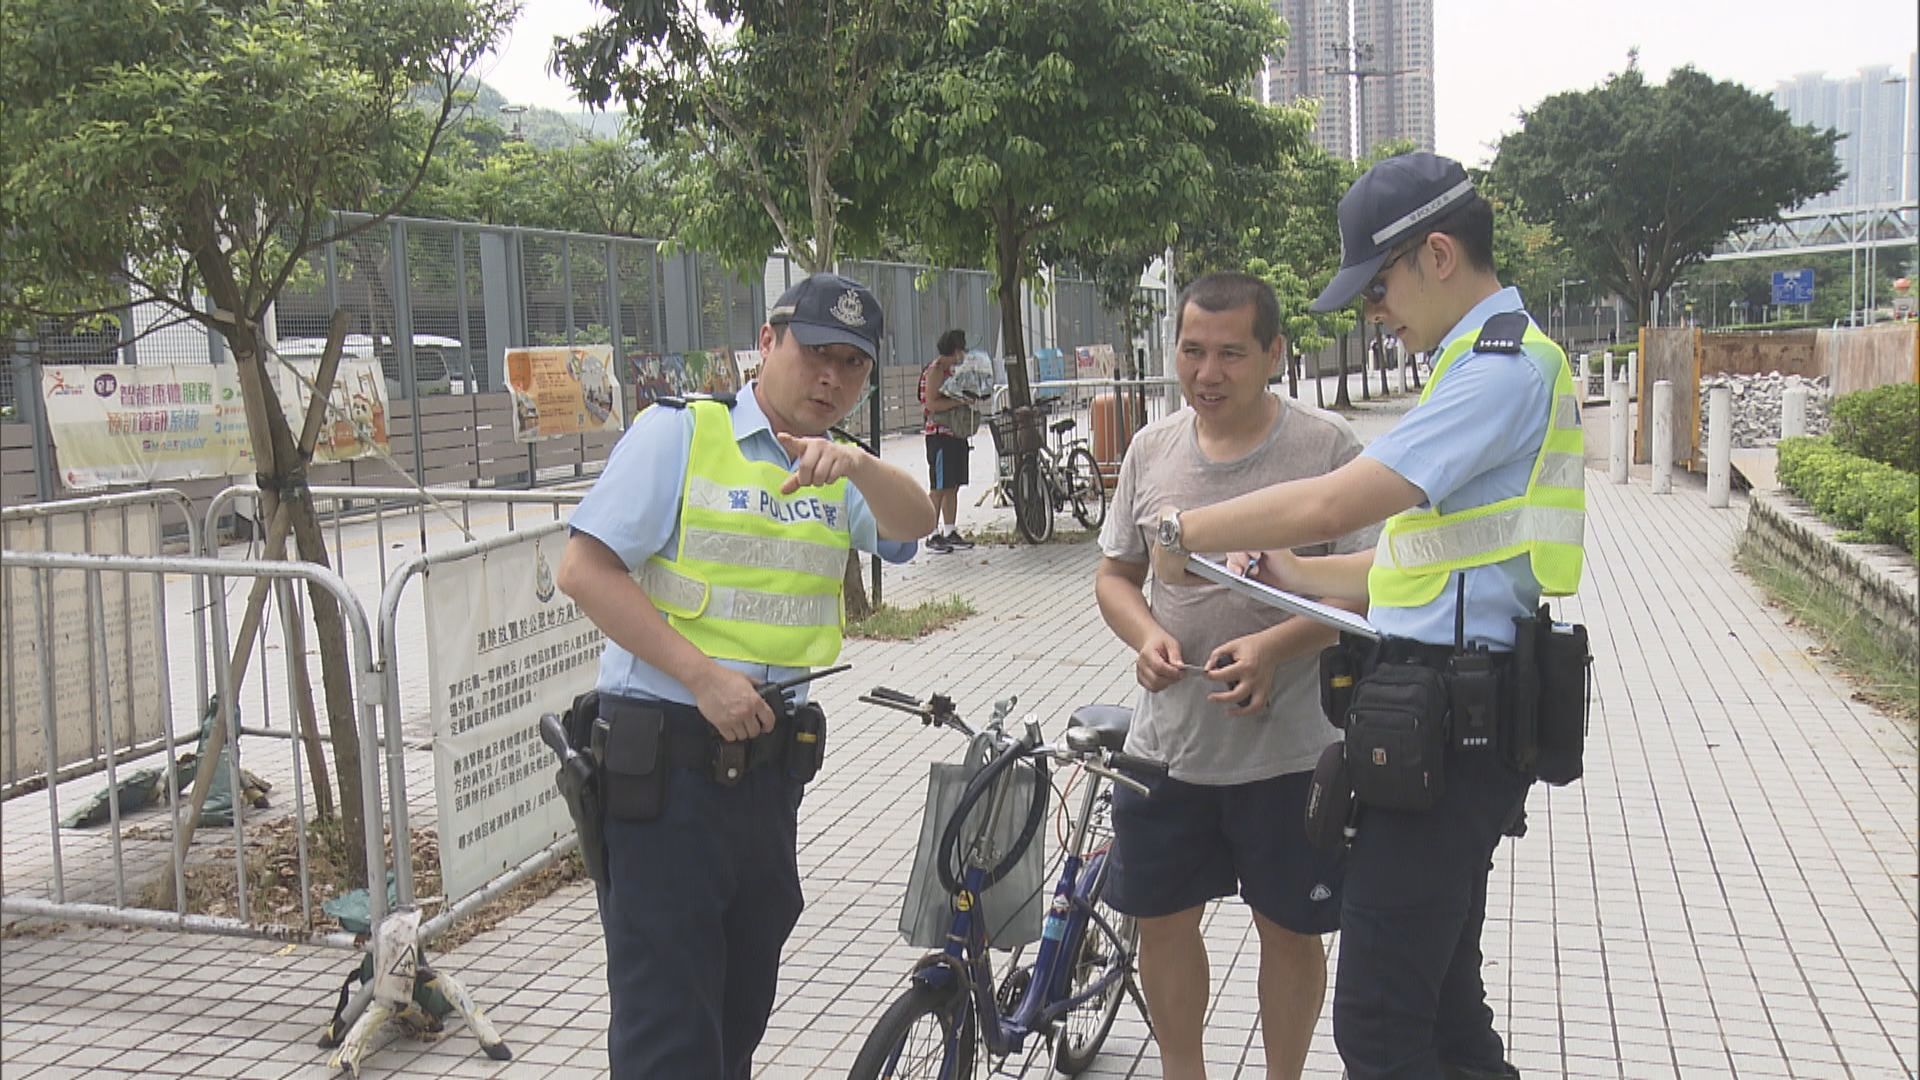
(947, 449)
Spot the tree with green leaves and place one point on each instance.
(771, 94)
(616, 187)
(1048, 131)
(1299, 254)
(1640, 181)
(190, 154)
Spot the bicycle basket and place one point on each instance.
(1011, 907)
(1018, 431)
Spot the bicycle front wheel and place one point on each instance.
(927, 1033)
(1084, 1030)
(1032, 502)
(1085, 490)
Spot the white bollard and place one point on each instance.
(1617, 431)
(1663, 437)
(1633, 374)
(1793, 412)
(1719, 445)
(1606, 365)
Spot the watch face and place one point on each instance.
(1169, 532)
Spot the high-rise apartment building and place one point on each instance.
(1318, 37)
(1394, 43)
(1875, 112)
(1369, 63)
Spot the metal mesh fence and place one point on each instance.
(438, 303)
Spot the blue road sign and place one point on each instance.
(1793, 286)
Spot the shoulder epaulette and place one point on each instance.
(681, 401)
(1503, 333)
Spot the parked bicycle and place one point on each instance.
(1039, 479)
(1070, 994)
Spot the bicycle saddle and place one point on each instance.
(1109, 720)
(1062, 426)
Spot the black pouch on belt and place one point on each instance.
(1340, 667)
(1397, 737)
(1330, 800)
(1566, 667)
(806, 742)
(633, 765)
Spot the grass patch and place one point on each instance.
(1881, 677)
(889, 623)
(1012, 538)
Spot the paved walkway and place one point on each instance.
(1729, 892)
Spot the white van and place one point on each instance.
(434, 361)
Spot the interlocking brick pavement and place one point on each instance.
(1730, 891)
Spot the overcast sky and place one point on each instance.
(1493, 58)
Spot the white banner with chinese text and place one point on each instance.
(503, 647)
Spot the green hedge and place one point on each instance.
(1854, 492)
(1882, 423)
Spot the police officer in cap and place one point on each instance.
(711, 553)
(1481, 488)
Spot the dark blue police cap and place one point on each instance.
(1390, 203)
(827, 309)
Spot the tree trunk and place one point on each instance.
(260, 400)
(1007, 247)
(281, 466)
(1341, 398)
(1293, 374)
(1380, 358)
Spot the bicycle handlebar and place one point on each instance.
(939, 712)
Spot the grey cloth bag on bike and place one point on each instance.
(1012, 906)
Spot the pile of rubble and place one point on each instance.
(1756, 406)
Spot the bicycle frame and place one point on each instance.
(968, 957)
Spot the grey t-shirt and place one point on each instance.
(1165, 469)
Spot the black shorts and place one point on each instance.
(1191, 843)
(947, 462)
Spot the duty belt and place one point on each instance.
(690, 742)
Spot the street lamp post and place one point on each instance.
(1565, 312)
(1352, 58)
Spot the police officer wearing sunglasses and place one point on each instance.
(1481, 490)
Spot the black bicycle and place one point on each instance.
(1070, 994)
(1039, 479)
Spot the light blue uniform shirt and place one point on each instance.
(1472, 442)
(634, 509)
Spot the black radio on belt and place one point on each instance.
(1473, 699)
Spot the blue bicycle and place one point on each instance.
(1070, 994)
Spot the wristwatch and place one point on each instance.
(1168, 533)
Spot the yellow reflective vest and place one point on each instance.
(758, 574)
(1420, 549)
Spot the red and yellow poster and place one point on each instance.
(563, 390)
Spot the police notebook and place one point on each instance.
(1291, 603)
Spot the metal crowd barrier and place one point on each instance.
(388, 640)
(384, 503)
(416, 502)
(209, 577)
(93, 507)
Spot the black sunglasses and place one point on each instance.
(1376, 290)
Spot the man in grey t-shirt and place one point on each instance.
(1241, 734)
